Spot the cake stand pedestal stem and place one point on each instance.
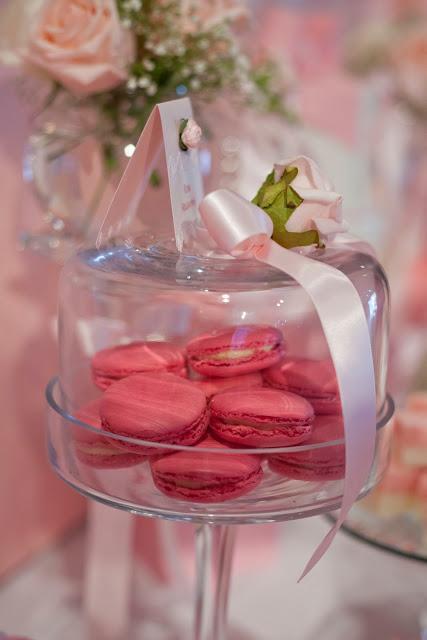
(214, 554)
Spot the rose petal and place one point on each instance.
(82, 44)
(320, 204)
(328, 226)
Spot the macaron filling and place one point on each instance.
(267, 424)
(209, 489)
(237, 354)
(307, 471)
(98, 449)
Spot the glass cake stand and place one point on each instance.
(131, 488)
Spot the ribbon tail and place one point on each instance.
(342, 317)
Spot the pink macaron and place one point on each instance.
(161, 408)
(121, 361)
(312, 379)
(325, 463)
(97, 450)
(202, 475)
(212, 386)
(261, 418)
(235, 351)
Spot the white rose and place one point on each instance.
(321, 209)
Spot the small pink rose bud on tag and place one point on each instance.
(190, 134)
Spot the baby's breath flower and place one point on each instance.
(151, 90)
(127, 23)
(148, 65)
(243, 61)
(132, 83)
(195, 84)
(160, 49)
(144, 82)
(200, 66)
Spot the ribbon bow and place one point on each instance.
(244, 230)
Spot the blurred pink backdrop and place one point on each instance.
(35, 506)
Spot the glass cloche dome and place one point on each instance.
(202, 388)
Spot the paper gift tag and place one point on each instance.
(184, 177)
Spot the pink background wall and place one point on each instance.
(34, 505)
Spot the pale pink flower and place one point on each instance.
(81, 44)
(199, 15)
(409, 60)
(322, 206)
(192, 134)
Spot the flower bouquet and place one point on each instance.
(92, 70)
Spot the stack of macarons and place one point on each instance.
(232, 388)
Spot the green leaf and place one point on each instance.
(155, 179)
(260, 194)
(279, 200)
(110, 157)
(272, 192)
(293, 199)
(290, 174)
(291, 239)
(182, 125)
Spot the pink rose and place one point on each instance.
(81, 44)
(199, 15)
(321, 209)
(192, 134)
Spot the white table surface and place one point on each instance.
(356, 593)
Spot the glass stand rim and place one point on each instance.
(54, 384)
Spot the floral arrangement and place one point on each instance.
(399, 49)
(121, 57)
(302, 204)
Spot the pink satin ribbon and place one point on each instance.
(244, 230)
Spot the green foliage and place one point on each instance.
(279, 200)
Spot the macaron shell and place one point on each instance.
(213, 386)
(316, 464)
(261, 418)
(203, 476)
(315, 380)
(161, 408)
(235, 351)
(121, 361)
(325, 406)
(96, 450)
